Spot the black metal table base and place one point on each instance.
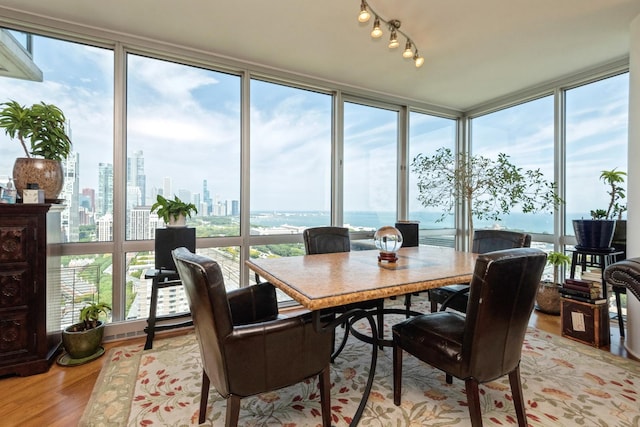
(319, 325)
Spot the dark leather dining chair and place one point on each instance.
(246, 346)
(456, 296)
(486, 344)
(323, 240)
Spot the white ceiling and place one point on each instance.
(475, 51)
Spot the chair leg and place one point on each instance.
(619, 308)
(473, 399)
(324, 382)
(448, 378)
(204, 397)
(397, 374)
(518, 399)
(233, 411)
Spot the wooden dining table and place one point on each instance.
(324, 281)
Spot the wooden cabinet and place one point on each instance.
(29, 335)
(584, 322)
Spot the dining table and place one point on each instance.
(323, 282)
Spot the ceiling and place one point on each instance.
(475, 51)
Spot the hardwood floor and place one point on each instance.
(57, 398)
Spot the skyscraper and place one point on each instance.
(105, 189)
(136, 176)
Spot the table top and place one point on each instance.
(330, 280)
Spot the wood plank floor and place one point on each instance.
(58, 397)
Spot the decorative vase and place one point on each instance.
(548, 298)
(82, 343)
(48, 174)
(593, 233)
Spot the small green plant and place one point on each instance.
(172, 209)
(43, 125)
(90, 314)
(613, 178)
(557, 260)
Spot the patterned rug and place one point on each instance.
(564, 383)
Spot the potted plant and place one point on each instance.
(597, 232)
(44, 127)
(548, 297)
(174, 212)
(488, 188)
(83, 339)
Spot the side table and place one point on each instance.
(599, 258)
(162, 279)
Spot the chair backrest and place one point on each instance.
(204, 286)
(325, 240)
(501, 299)
(496, 240)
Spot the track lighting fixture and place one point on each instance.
(410, 50)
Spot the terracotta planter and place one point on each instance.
(548, 298)
(82, 344)
(48, 174)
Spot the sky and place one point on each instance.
(186, 121)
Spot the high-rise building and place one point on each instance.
(167, 191)
(139, 225)
(206, 198)
(104, 227)
(136, 176)
(70, 194)
(105, 189)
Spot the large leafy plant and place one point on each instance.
(172, 209)
(488, 188)
(41, 125)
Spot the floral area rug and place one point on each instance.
(565, 383)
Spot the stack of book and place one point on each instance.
(583, 290)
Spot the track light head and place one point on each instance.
(376, 32)
(393, 40)
(364, 13)
(408, 52)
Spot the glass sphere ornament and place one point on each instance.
(388, 241)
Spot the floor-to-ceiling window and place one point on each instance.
(183, 140)
(427, 133)
(525, 133)
(370, 166)
(79, 79)
(596, 140)
(290, 173)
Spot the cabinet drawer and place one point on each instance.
(15, 243)
(14, 334)
(15, 284)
